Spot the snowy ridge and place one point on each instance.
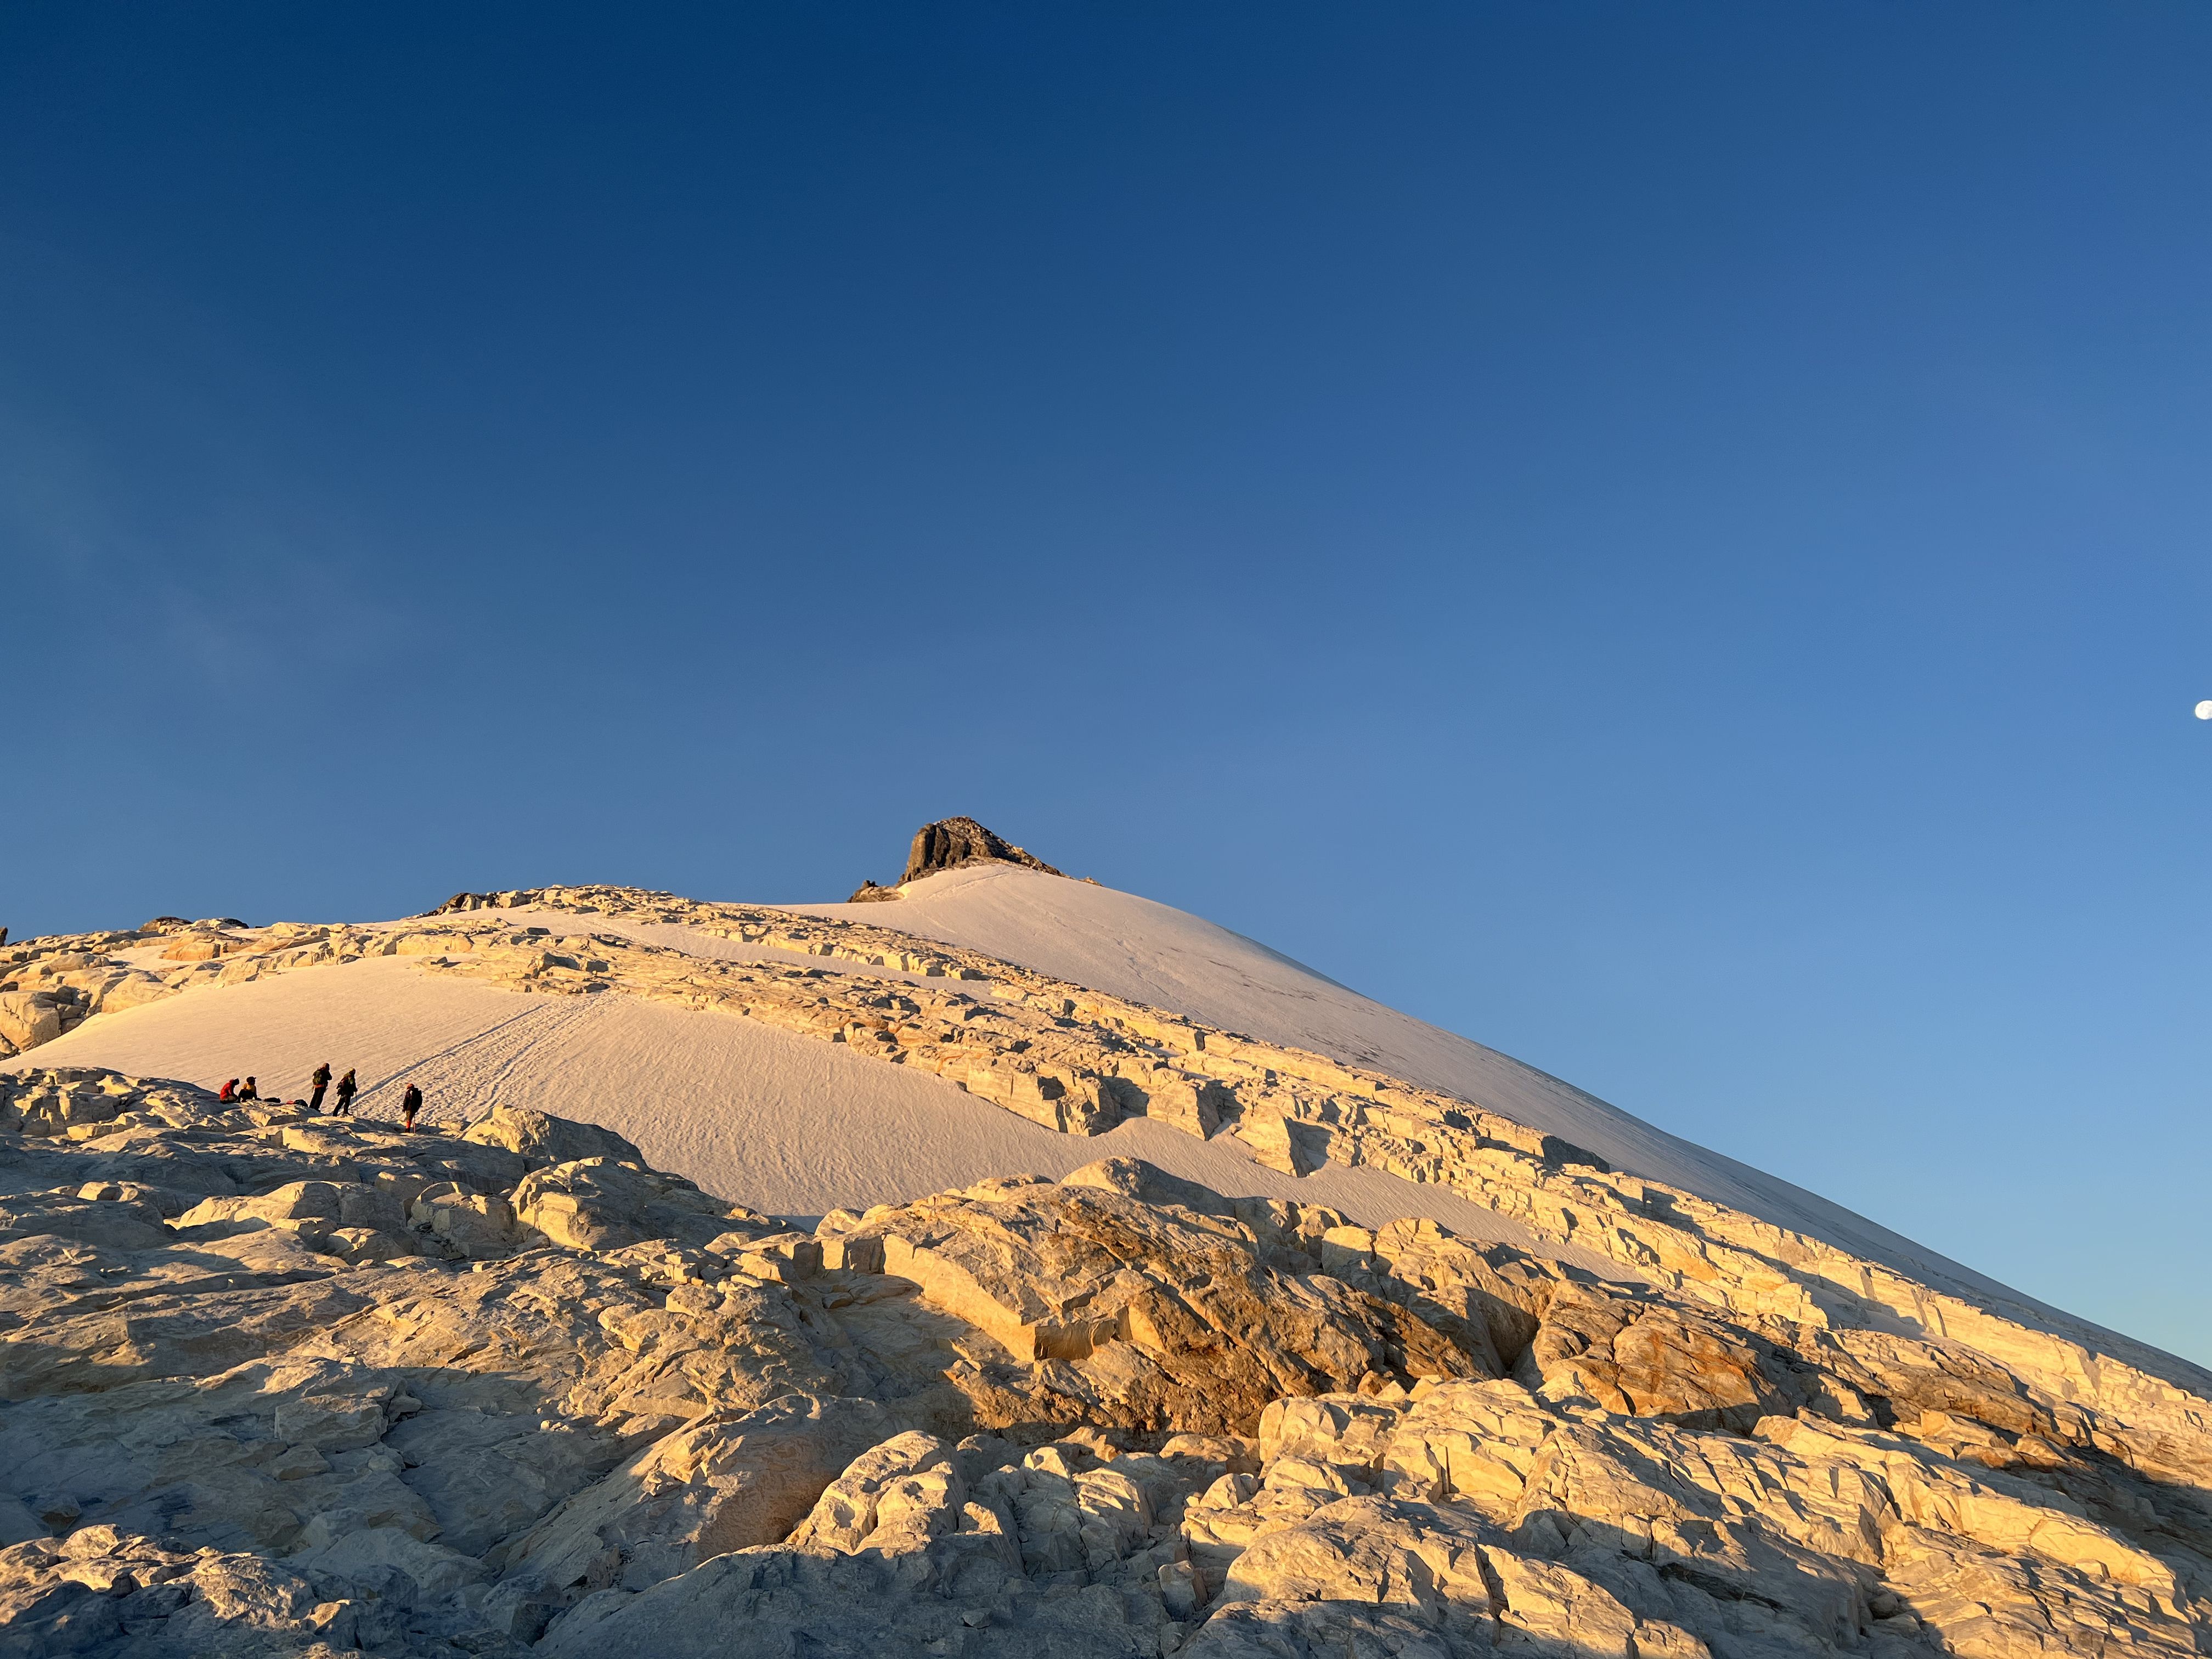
(1150, 952)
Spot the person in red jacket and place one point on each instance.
(229, 1092)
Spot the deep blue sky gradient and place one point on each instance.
(1669, 539)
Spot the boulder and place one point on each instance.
(1420, 1558)
(910, 1485)
(1133, 1177)
(542, 1141)
(730, 1480)
(601, 1204)
(479, 1225)
(28, 1019)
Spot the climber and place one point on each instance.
(410, 1103)
(347, 1089)
(321, 1080)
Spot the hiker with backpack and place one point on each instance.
(347, 1089)
(321, 1080)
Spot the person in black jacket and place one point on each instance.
(321, 1080)
(410, 1103)
(347, 1089)
(251, 1091)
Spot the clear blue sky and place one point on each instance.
(1671, 539)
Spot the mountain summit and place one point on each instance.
(1027, 1268)
(950, 844)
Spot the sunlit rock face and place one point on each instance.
(273, 1383)
(952, 844)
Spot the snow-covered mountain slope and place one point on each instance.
(1150, 952)
(703, 1039)
(781, 1122)
(512, 1391)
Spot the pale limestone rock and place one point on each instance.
(1369, 1550)
(597, 1203)
(1281, 1142)
(1133, 1177)
(1547, 1604)
(901, 1556)
(1639, 1357)
(28, 1019)
(203, 945)
(355, 1552)
(541, 1140)
(214, 1384)
(128, 988)
(100, 1591)
(1490, 1301)
(1167, 1320)
(1324, 1630)
(910, 1483)
(732, 1480)
(473, 1224)
(1196, 1105)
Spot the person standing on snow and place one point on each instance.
(410, 1103)
(321, 1080)
(347, 1089)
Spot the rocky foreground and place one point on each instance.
(273, 1384)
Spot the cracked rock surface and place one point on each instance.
(272, 1383)
(285, 1385)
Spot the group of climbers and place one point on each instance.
(319, 1081)
(347, 1088)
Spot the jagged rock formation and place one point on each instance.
(272, 1384)
(948, 844)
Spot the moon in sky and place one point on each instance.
(2204, 709)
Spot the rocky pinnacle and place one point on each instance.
(948, 844)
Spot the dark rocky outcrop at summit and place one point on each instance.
(948, 844)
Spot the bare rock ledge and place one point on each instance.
(276, 1385)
